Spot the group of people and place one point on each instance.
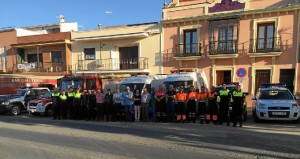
(161, 105)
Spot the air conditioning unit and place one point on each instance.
(58, 68)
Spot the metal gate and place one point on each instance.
(262, 76)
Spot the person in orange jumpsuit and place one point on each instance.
(191, 104)
(181, 98)
(202, 101)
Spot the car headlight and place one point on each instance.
(294, 106)
(261, 106)
(5, 103)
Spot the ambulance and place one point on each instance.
(186, 79)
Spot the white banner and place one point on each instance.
(26, 66)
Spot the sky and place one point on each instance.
(88, 13)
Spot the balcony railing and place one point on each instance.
(112, 64)
(265, 45)
(42, 67)
(185, 50)
(223, 47)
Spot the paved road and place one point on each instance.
(37, 137)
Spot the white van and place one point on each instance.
(142, 81)
(186, 80)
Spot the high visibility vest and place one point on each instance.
(71, 94)
(181, 97)
(77, 95)
(55, 94)
(63, 97)
(192, 95)
(224, 92)
(237, 94)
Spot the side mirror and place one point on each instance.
(297, 97)
(253, 98)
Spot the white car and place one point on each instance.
(273, 102)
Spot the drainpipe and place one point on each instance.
(297, 55)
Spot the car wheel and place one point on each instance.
(48, 111)
(15, 110)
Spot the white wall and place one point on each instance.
(66, 27)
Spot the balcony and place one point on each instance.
(188, 51)
(112, 64)
(223, 49)
(44, 68)
(265, 47)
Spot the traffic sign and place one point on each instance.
(241, 72)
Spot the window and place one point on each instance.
(56, 56)
(129, 57)
(89, 53)
(265, 36)
(190, 41)
(225, 43)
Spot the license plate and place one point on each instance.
(278, 113)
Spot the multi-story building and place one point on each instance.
(36, 55)
(245, 41)
(118, 51)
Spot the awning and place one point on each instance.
(118, 36)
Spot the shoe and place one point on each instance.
(241, 125)
(228, 124)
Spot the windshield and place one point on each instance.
(133, 86)
(65, 85)
(275, 94)
(20, 92)
(91, 84)
(176, 84)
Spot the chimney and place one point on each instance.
(62, 18)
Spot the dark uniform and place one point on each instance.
(91, 106)
(83, 108)
(77, 105)
(160, 105)
(224, 106)
(181, 98)
(108, 105)
(191, 105)
(70, 102)
(55, 104)
(237, 107)
(63, 105)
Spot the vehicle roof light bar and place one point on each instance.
(272, 85)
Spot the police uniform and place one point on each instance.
(63, 106)
(55, 104)
(224, 106)
(77, 105)
(70, 102)
(181, 98)
(237, 107)
(91, 106)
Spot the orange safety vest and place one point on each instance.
(202, 95)
(212, 94)
(181, 97)
(192, 95)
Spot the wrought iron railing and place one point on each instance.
(41, 67)
(112, 64)
(223, 47)
(265, 45)
(185, 50)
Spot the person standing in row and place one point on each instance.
(83, 109)
(191, 104)
(202, 101)
(171, 95)
(160, 104)
(63, 105)
(145, 100)
(212, 109)
(100, 105)
(181, 98)
(237, 107)
(70, 95)
(152, 104)
(117, 98)
(137, 105)
(77, 104)
(127, 102)
(91, 106)
(55, 103)
(108, 105)
(224, 94)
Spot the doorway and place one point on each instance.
(262, 76)
(223, 77)
(287, 77)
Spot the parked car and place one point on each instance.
(41, 105)
(275, 102)
(232, 87)
(16, 103)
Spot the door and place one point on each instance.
(262, 76)
(128, 57)
(223, 77)
(287, 77)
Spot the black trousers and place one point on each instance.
(191, 114)
(202, 110)
(237, 112)
(224, 112)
